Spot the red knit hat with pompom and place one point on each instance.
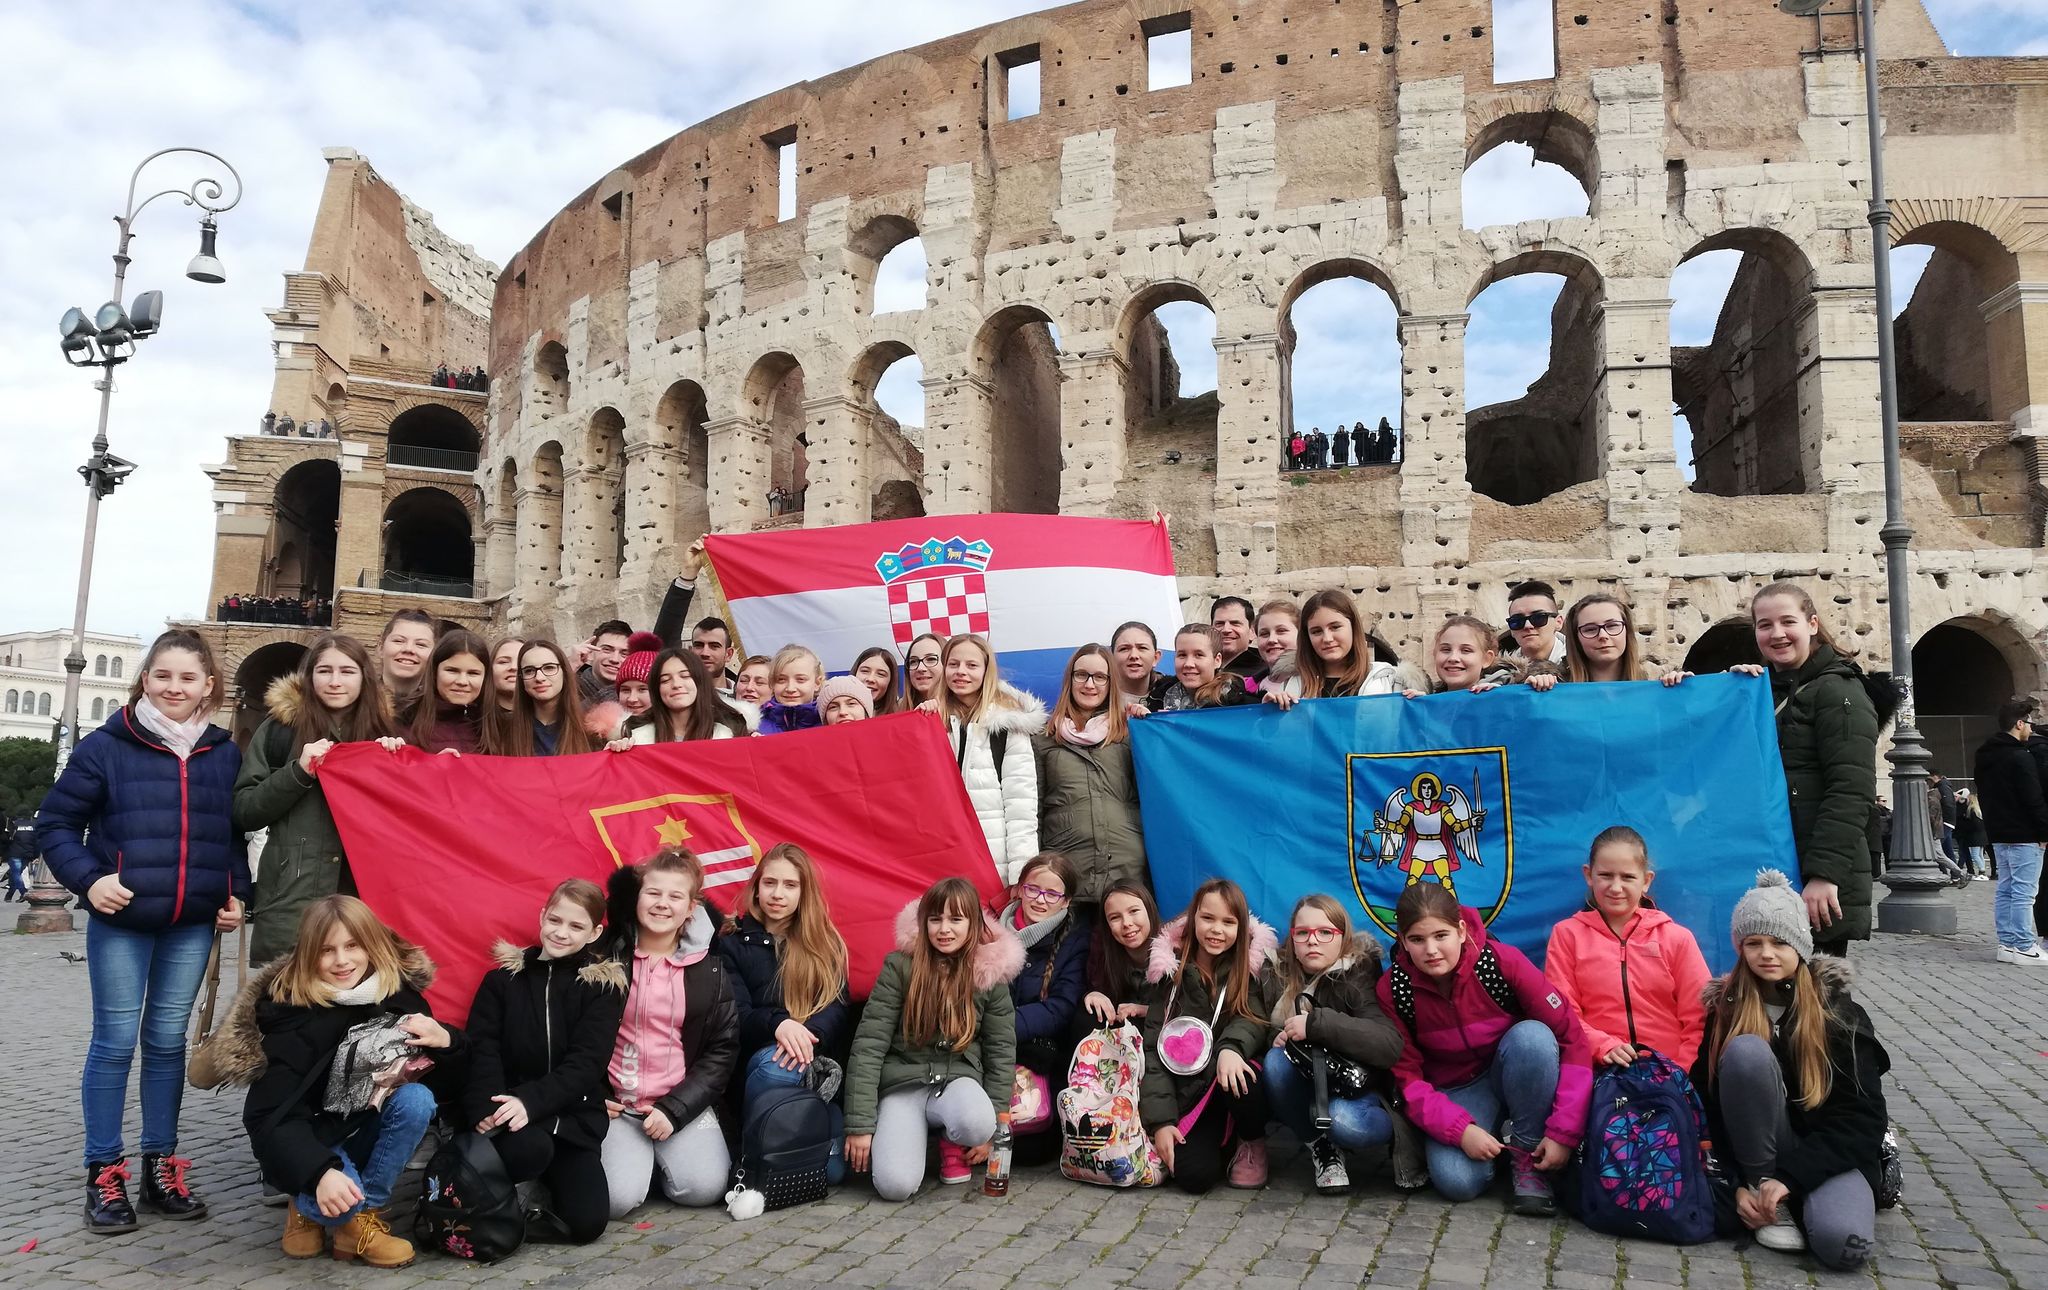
(641, 647)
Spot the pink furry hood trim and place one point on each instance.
(1165, 953)
(996, 962)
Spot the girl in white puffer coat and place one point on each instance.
(991, 724)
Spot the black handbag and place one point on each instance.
(1329, 1074)
(468, 1205)
(784, 1147)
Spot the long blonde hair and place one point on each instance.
(991, 695)
(1350, 944)
(810, 958)
(1066, 710)
(298, 981)
(938, 1003)
(1740, 1011)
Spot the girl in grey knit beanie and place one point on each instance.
(1772, 908)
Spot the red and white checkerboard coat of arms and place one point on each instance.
(936, 586)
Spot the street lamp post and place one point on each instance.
(105, 340)
(1917, 902)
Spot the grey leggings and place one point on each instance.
(1840, 1215)
(693, 1161)
(904, 1119)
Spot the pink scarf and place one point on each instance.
(1086, 735)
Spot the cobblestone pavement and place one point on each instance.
(1969, 1092)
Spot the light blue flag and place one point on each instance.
(1496, 795)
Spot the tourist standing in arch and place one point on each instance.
(1342, 447)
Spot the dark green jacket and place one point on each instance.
(1827, 735)
(882, 1061)
(302, 858)
(1088, 810)
(1166, 1097)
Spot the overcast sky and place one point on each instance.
(491, 115)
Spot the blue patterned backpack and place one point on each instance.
(1644, 1169)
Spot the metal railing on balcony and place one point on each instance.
(405, 454)
(424, 585)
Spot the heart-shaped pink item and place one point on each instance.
(1183, 1049)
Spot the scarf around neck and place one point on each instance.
(181, 737)
(1031, 933)
(1086, 735)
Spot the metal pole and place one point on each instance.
(1916, 879)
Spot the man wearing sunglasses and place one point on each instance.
(1534, 621)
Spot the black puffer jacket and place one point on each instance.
(542, 1030)
(1344, 1013)
(754, 970)
(1843, 1133)
(2009, 791)
(1827, 735)
(1165, 1096)
(711, 1021)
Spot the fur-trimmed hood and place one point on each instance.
(1831, 976)
(1021, 713)
(238, 1041)
(1164, 955)
(1366, 952)
(997, 961)
(284, 698)
(597, 970)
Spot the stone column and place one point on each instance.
(500, 555)
(839, 491)
(1841, 432)
(651, 476)
(1436, 500)
(1093, 430)
(1252, 399)
(538, 560)
(1632, 419)
(586, 528)
(737, 473)
(959, 449)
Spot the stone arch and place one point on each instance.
(1523, 449)
(550, 387)
(1016, 353)
(1722, 646)
(773, 397)
(1558, 128)
(263, 662)
(434, 436)
(596, 501)
(1963, 668)
(679, 424)
(1960, 352)
(539, 534)
(305, 513)
(1338, 269)
(895, 452)
(1153, 378)
(429, 545)
(1747, 396)
(884, 241)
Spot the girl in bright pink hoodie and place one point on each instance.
(1633, 974)
(1490, 1044)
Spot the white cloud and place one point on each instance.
(1524, 40)
(900, 280)
(1191, 335)
(1508, 185)
(1507, 342)
(900, 392)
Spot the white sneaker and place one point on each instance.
(2030, 956)
(1782, 1234)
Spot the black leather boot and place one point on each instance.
(165, 1190)
(107, 1210)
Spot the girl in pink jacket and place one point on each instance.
(1490, 1046)
(1633, 974)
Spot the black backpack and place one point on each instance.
(784, 1146)
(468, 1205)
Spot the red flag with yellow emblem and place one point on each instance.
(457, 852)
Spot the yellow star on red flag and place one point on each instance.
(672, 831)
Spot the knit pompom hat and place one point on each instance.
(641, 647)
(1772, 908)
(841, 686)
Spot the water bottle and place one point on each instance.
(996, 1182)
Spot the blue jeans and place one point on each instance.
(1355, 1122)
(143, 985)
(763, 1074)
(15, 885)
(1523, 1082)
(2019, 877)
(375, 1155)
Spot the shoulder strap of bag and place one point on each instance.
(998, 743)
(277, 745)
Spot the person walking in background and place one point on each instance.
(21, 848)
(2016, 822)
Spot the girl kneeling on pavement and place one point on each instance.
(1327, 975)
(1213, 990)
(1490, 1046)
(541, 1032)
(339, 1167)
(677, 1041)
(786, 962)
(937, 1045)
(1792, 1075)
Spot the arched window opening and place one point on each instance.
(775, 398)
(1018, 354)
(540, 519)
(1741, 319)
(1722, 646)
(1529, 166)
(307, 504)
(99, 709)
(889, 266)
(679, 422)
(1532, 364)
(1962, 670)
(550, 380)
(1938, 335)
(599, 510)
(1167, 339)
(427, 545)
(99, 665)
(14, 700)
(1341, 347)
(889, 379)
(432, 437)
(43, 704)
(117, 667)
(252, 679)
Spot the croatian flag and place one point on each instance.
(1037, 586)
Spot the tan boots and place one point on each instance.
(368, 1237)
(303, 1238)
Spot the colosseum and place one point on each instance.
(697, 330)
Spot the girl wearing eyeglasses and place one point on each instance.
(1087, 786)
(1328, 974)
(1047, 993)
(1600, 644)
(547, 712)
(924, 671)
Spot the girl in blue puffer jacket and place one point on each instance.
(138, 826)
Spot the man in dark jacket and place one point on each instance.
(2016, 822)
(21, 848)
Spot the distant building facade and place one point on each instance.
(32, 680)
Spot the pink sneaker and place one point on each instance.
(953, 1166)
(1248, 1166)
